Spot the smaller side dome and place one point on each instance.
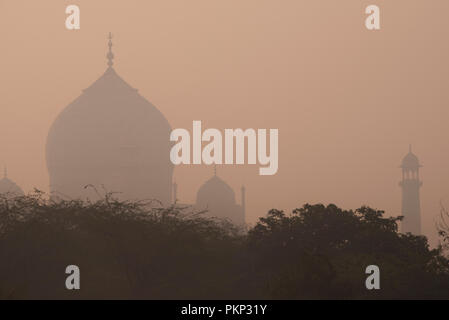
(215, 190)
(9, 188)
(218, 199)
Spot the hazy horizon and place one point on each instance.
(347, 101)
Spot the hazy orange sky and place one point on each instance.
(347, 101)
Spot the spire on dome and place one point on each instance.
(110, 54)
(410, 148)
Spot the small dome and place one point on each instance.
(218, 199)
(216, 191)
(9, 188)
(410, 161)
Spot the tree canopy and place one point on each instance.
(138, 250)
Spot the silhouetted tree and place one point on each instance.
(124, 249)
(144, 251)
(322, 251)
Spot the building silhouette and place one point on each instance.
(9, 188)
(110, 139)
(218, 198)
(410, 185)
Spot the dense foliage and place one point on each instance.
(138, 251)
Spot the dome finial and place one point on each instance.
(110, 55)
(5, 172)
(410, 148)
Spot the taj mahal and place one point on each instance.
(111, 137)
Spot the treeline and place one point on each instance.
(131, 250)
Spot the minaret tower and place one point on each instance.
(243, 201)
(175, 192)
(410, 185)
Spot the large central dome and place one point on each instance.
(110, 137)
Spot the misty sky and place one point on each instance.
(347, 101)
